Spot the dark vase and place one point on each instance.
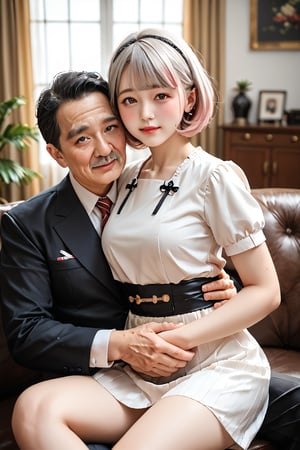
(241, 105)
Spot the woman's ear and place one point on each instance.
(191, 100)
(57, 155)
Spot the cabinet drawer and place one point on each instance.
(286, 140)
(265, 139)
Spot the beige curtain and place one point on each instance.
(16, 80)
(204, 29)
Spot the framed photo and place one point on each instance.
(271, 105)
(275, 25)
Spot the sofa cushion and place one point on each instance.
(13, 377)
(7, 440)
(281, 208)
(284, 360)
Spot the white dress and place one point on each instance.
(211, 210)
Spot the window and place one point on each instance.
(81, 35)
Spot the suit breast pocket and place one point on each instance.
(68, 281)
(67, 264)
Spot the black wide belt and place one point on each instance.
(159, 300)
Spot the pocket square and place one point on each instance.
(65, 256)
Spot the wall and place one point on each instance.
(278, 70)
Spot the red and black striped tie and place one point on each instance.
(104, 204)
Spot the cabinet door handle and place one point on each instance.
(294, 138)
(274, 168)
(266, 168)
(269, 137)
(247, 136)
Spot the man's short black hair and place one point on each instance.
(66, 86)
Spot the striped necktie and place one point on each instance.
(104, 204)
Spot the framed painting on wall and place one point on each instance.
(275, 24)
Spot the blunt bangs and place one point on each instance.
(147, 69)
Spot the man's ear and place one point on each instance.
(56, 154)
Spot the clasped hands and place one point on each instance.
(147, 352)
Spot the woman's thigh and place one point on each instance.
(77, 402)
(176, 423)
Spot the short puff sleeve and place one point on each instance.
(232, 213)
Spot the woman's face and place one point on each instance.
(151, 115)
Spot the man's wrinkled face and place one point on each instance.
(92, 142)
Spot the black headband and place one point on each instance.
(153, 36)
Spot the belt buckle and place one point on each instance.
(154, 299)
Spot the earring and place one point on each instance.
(188, 115)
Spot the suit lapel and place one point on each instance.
(77, 231)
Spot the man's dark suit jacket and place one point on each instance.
(52, 309)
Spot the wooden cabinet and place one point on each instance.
(269, 155)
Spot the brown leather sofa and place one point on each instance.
(279, 333)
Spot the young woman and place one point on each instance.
(176, 211)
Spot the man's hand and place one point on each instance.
(146, 352)
(222, 289)
(150, 354)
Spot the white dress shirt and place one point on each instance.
(99, 348)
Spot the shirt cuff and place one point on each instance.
(251, 241)
(99, 349)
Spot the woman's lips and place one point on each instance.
(149, 130)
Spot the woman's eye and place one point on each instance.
(162, 96)
(128, 101)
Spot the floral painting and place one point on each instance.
(275, 24)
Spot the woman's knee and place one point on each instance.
(25, 413)
(34, 405)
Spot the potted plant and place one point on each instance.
(17, 135)
(241, 103)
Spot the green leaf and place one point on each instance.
(243, 85)
(7, 106)
(19, 136)
(12, 172)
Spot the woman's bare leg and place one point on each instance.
(176, 423)
(64, 413)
